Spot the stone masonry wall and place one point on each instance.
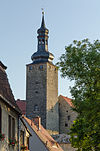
(36, 91)
(52, 99)
(42, 90)
(66, 116)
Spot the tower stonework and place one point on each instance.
(42, 84)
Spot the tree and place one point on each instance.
(81, 63)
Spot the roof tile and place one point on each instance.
(5, 90)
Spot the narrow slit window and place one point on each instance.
(36, 108)
(66, 125)
(13, 128)
(9, 126)
(68, 117)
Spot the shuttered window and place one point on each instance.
(0, 119)
(11, 127)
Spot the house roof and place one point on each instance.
(44, 136)
(22, 105)
(68, 100)
(5, 90)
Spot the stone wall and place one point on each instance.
(66, 116)
(67, 147)
(64, 142)
(36, 91)
(42, 94)
(52, 117)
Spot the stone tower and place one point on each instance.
(42, 84)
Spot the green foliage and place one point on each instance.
(81, 63)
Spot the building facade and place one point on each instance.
(42, 84)
(9, 115)
(66, 114)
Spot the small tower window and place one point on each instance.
(42, 41)
(36, 108)
(39, 41)
(68, 117)
(41, 67)
(36, 82)
(66, 125)
(30, 67)
(36, 91)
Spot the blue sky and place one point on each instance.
(67, 20)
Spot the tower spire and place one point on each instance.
(43, 22)
(42, 54)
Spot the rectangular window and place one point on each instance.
(0, 119)
(69, 117)
(22, 137)
(11, 127)
(66, 125)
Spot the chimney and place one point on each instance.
(37, 122)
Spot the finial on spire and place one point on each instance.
(42, 11)
(43, 23)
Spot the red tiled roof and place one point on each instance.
(5, 90)
(44, 136)
(68, 100)
(22, 105)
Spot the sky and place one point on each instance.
(67, 20)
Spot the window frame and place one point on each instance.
(11, 126)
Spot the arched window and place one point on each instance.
(42, 41)
(41, 67)
(39, 41)
(36, 108)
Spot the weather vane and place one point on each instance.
(42, 10)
